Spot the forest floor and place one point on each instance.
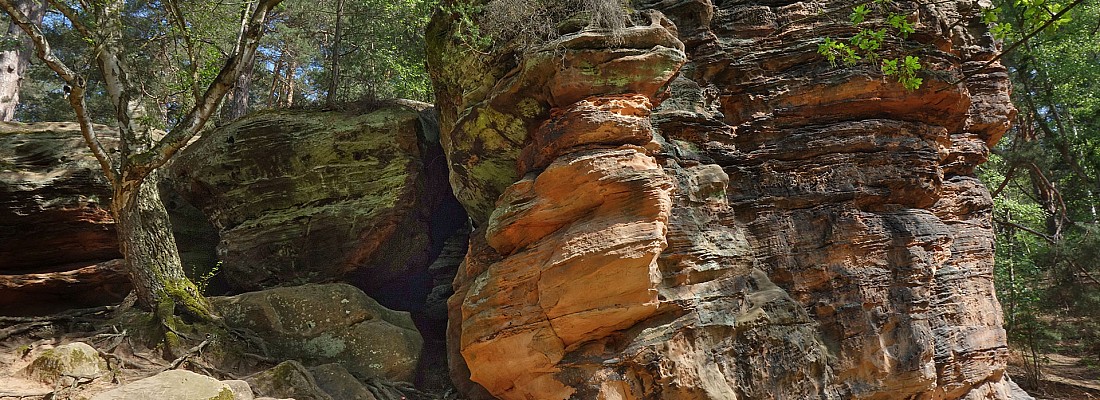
(1063, 377)
(22, 339)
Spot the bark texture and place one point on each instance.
(152, 260)
(700, 207)
(13, 63)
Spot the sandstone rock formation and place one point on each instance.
(57, 237)
(333, 323)
(700, 207)
(289, 379)
(54, 200)
(305, 196)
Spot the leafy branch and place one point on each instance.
(867, 43)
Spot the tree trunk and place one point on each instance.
(334, 70)
(13, 63)
(276, 75)
(152, 260)
(238, 100)
(288, 98)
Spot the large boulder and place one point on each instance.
(699, 206)
(179, 385)
(332, 323)
(309, 196)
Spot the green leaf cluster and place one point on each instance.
(867, 44)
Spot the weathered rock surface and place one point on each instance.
(730, 216)
(303, 196)
(54, 200)
(179, 385)
(96, 284)
(56, 229)
(333, 323)
(335, 380)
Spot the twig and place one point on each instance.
(193, 351)
(1041, 235)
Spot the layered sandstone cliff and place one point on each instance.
(57, 237)
(699, 206)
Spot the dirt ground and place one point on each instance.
(1063, 378)
(24, 338)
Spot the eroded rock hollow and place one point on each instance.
(699, 206)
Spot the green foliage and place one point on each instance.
(867, 44)
(467, 29)
(202, 278)
(1047, 176)
(381, 55)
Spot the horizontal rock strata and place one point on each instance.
(699, 206)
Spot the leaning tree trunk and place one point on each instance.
(13, 63)
(152, 260)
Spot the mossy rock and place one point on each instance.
(332, 323)
(303, 196)
(289, 379)
(75, 360)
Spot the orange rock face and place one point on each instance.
(733, 218)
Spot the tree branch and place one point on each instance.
(1023, 40)
(72, 16)
(75, 82)
(196, 119)
(189, 45)
(1004, 183)
(1041, 235)
(109, 33)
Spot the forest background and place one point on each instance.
(1044, 174)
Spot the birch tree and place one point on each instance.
(14, 60)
